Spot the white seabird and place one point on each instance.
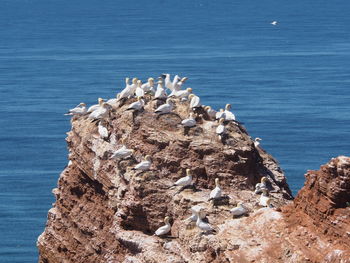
(102, 130)
(265, 200)
(163, 230)
(165, 108)
(195, 101)
(274, 23)
(202, 225)
(189, 122)
(96, 106)
(175, 81)
(182, 94)
(148, 86)
(167, 82)
(113, 102)
(178, 85)
(259, 187)
(195, 210)
(211, 112)
(139, 92)
(123, 152)
(239, 210)
(144, 165)
(256, 142)
(220, 130)
(129, 90)
(220, 114)
(160, 92)
(100, 113)
(185, 181)
(78, 110)
(137, 105)
(216, 192)
(229, 116)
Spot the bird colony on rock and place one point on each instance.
(147, 92)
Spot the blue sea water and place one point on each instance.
(288, 83)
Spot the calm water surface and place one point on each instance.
(288, 83)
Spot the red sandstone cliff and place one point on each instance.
(105, 212)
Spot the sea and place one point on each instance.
(288, 83)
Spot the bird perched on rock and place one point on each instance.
(139, 92)
(205, 227)
(163, 230)
(100, 113)
(129, 90)
(182, 94)
(189, 122)
(123, 152)
(265, 200)
(165, 108)
(195, 212)
(96, 106)
(102, 129)
(144, 165)
(257, 142)
(185, 181)
(239, 210)
(148, 87)
(78, 110)
(160, 91)
(229, 116)
(195, 101)
(114, 102)
(221, 130)
(137, 105)
(259, 187)
(216, 192)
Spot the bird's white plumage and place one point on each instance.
(189, 122)
(182, 94)
(99, 113)
(102, 130)
(211, 112)
(167, 82)
(184, 181)
(239, 210)
(220, 129)
(163, 230)
(256, 142)
(202, 225)
(220, 114)
(229, 116)
(78, 110)
(160, 92)
(264, 199)
(144, 165)
(165, 108)
(139, 92)
(195, 102)
(216, 192)
(137, 105)
(121, 153)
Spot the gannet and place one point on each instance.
(148, 86)
(165, 108)
(229, 116)
(239, 210)
(129, 90)
(220, 130)
(216, 192)
(137, 105)
(167, 81)
(139, 92)
(195, 101)
(256, 142)
(113, 102)
(102, 129)
(175, 81)
(265, 200)
(163, 230)
(96, 106)
(220, 114)
(202, 225)
(195, 210)
(185, 181)
(78, 110)
(100, 113)
(160, 92)
(274, 23)
(144, 165)
(123, 152)
(182, 94)
(178, 85)
(259, 187)
(210, 111)
(189, 122)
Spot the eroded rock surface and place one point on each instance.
(106, 212)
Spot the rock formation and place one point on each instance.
(107, 212)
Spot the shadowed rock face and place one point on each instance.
(106, 212)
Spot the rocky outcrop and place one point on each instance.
(107, 212)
